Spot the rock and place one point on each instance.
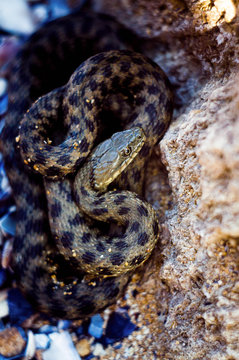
(3, 87)
(42, 341)
(83, 347)
(11, 342)
(201, 154)
(61, 347)
(98, 350)
(4, 309)
(96, 326)
(118, 327)
(6, 252)
(47, 329)
(31, 346)
(17, 17)
(8, 223)
(63, 324)
(155, 18)
(58, 8)
(40, 12)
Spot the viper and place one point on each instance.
(85, 112)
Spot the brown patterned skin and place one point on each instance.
(118, 90)
(107, 253)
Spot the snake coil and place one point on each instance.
(60, 193)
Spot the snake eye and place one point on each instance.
(126, 151)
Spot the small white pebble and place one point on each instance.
(139, 337)
(41, 341)
(98, 350)
(15, 16)
(31, 346)
(3, 86)
(128, 352)
(63, 324)
(4, 309)
(61, 348)
(40, 12)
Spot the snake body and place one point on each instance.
(59, 206)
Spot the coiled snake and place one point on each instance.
(77, 243)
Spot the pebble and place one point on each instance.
(8, 223)
(16, 18)
(3, 87)
(42, 341)
(98, 350)
(3, 104)
(47, 329)
(63, 324)
(96, 326)
(11, 342)
(83, 347)
(4, 183)
(58, 8)
(4, 308)
(61, 348)
(6, 253)
(118, 327)
(31, 346)
(40, 12)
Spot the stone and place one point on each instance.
(10, 19)
(96, 326)
(11, 342)
(83, 347)
(98, 350)
(61, 347)
(201, 154)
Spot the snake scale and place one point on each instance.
(76, 244)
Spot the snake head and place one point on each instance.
(113, 155)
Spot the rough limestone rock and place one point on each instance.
(186, 299)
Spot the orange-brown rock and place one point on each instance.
(11, 342)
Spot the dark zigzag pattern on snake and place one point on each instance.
(52, 283)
